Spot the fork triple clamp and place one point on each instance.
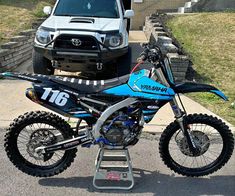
(113, 170)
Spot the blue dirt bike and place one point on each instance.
(43, 144)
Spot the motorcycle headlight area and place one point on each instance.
(113, 40)
(43, 36)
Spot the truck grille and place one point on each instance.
(75, 42)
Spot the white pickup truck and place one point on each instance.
(81, 35)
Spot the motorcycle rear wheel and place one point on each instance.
(29, 131)
(209, 133)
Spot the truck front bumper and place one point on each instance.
(79, 60)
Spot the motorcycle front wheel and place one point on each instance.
(210, 135)
(35, 129)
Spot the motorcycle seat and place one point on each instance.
(90, 86)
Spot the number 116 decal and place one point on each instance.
(57, 97)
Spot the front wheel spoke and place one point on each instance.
(58, 156)
(174, 145)
(192, 162)
(175, 149)
(49, 162)
(23, 136)
(184, 160)
(39, 125)
(203, 160)
(209, 158)
(35, 161)
(33, 128)
(38, 163)
(216, 139)
(25, 155)
(204, 128)
(61, 153)
(196, 161)
(20, 142)
(213, 153)
(53, 160)
(22, 148)
(25, 130)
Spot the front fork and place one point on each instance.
(179, 115)
(180, 118)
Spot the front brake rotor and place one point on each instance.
(201, 141)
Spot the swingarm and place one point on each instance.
(83, 140)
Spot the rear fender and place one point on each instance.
(58, 99)
(190, 87)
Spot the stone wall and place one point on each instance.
(157, 32)
(19, 49)
(148, 7)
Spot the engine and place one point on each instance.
(123, 128)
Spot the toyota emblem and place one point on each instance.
(76, 42)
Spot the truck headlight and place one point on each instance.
(113, 40)
(43, 36)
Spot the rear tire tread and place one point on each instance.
(34, 117)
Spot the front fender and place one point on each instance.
(190, 87)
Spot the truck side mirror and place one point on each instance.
(47, 10)
(129, 14)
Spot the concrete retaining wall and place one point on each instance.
(157, 32)
(147, 7)
(19, 49)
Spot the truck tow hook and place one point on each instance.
(99, 66)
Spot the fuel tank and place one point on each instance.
(140, 85)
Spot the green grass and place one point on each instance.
(210, 38)
(18, 15)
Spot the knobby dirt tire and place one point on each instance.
(20, 162)
(227, 150)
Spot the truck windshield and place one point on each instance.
(87, 8)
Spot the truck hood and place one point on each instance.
(82, 23)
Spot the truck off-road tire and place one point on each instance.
(209, 133)
(32, 130)
(41, 65)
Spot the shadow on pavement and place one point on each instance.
(157, 183)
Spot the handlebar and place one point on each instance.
(152, 53)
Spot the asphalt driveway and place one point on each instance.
(152, 177)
